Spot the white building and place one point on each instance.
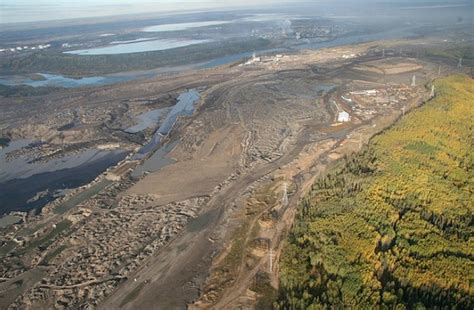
(343, 117)
(370, 92)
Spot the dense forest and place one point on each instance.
(392, 226)
(74, 65)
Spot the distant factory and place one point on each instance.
(24, 48)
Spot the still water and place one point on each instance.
(54, 80)
(138, 47)
(184, 106)
(26, 184)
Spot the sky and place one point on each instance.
(18, 11)
(15, 11)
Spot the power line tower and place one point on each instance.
(460, 63)
(284, 200)
(413, 81)
(270, 257)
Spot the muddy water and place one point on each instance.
(160, 159)
(22, 167)
(156, 161)
(147, 120)
(27, 185)
(184, 106)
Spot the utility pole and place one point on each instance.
(432, 91)
(413, 81)
(439, 71)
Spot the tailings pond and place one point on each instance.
(26, 184)
(137, 47)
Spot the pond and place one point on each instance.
(138, 47)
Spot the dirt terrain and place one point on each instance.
(201, 230)
(291, 134)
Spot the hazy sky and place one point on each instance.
(15, 11)
(12, 11)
